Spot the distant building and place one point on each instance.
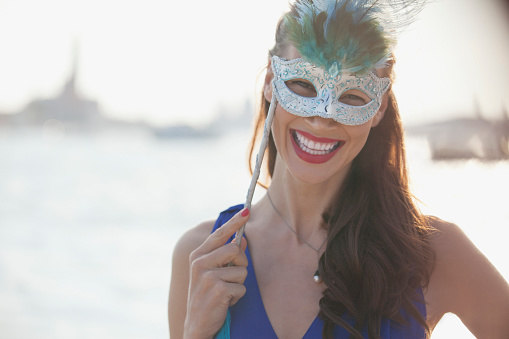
(68, 108)
(69, 111)
(5, 119)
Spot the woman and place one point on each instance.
(337, 247)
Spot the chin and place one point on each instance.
(330, 173)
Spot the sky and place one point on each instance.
(163, 61)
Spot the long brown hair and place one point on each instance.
(378, 253)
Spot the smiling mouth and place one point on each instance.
(314, 147)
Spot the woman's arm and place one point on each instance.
(202, 285)
(465, 283)
(177, 304)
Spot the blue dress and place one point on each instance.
(250, 321)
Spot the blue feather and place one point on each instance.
(224, 332)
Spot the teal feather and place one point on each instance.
(353, 34)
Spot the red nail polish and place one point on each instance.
(245, 212)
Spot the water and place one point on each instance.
(88, 224)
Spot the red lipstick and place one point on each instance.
(314, 158)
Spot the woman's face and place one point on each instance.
(315, 149)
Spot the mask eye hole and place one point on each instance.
(301, 87)
(354, 97)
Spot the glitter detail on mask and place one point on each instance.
(329, 88)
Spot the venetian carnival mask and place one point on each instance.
(329, 86)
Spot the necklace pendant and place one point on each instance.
(317, 279)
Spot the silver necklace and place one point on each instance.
(316, 276)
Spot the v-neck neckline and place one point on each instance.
(254, 303)
(316, 321)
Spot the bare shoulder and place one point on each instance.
(187, 243)
(453, 247)
(465, 283)
(177, 303)
(441, 225)
(447, 238)
(193, 238)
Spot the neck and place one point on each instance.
(302, 204)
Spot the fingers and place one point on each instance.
(237, 292)
(229, 292)
(233, 274)
(213, 253)
(207, 305)
(243, 243)
(221, 257)
(214, 285)
(219, 237)
(222, 285)
(231, 255)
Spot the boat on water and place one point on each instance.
(467, 138)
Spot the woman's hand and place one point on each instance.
(214, 285)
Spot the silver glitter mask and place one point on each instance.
(330, 86)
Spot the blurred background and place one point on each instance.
(125, 123)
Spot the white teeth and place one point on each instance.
(314, 148)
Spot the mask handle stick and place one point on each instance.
(258, 164)
(224, 332)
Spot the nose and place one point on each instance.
(319, 123)
(324, 107)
